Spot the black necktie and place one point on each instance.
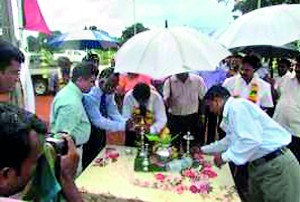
(103, 109)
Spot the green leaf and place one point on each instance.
(152, 137)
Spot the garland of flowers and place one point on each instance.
(253, 94)
(149, 118)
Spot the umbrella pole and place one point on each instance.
(271, 67)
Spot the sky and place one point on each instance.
(114, 16)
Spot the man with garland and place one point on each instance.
(249, 86)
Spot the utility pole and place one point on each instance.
(7, 22)
(258, 3)
(134, 17)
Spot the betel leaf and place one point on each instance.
(152, 137)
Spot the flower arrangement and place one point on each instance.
(194, 180)
(162, 143)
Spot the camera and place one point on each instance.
(60, 145)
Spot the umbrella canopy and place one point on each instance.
(269, 51)
(164, 52)
(84, 39)
(274, 25)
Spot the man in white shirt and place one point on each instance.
(183, 94)
(253, 137)
(284, 70)
(147, 104)
(287, 112)
(248, 85)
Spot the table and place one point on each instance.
(115, 182)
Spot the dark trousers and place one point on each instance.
(182, 124)
(294, 146)
(212, 126)
(130, 139)
(93, 147)
(240, 177)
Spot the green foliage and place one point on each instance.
(36, 44)
(46, 58)
(105, 55)
(246, 6)
(129, 31)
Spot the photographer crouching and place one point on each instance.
(29, 164)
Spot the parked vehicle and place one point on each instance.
(41, 72)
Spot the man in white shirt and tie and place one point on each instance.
(253, 137)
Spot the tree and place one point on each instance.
(246, 6)
(33, 45)
(41, 42)
(129, 31)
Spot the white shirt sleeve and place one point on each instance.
(27, 87)
(128, 104)
(166, 89)
(160, 115)
(216, 147)
(245, 135)
(267, 99)
(202, 89)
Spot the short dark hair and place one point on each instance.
(85, 70)
(141, 91)
(8, 52)
(252, 60)
(91, 57)
(63, 61)
(16, 125)
(107, 72)
(236, 55)
(297, 59)
(285, 61)
(217, 91)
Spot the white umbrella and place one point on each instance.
(274, 26)
(164, 52)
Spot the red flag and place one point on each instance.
(33, 18)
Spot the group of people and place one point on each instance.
(260, 149)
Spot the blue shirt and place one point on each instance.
(250, 133)
(213, 77)
(114, 121)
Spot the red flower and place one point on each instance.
(190, 173)
(180, 189)
(194, 189)
(113, 155)
(206, 164)
(198, 157)
(210, 173)
(160, 177)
